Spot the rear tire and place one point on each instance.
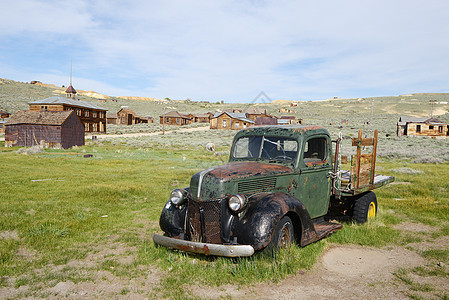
(283, 234)
(365, 208)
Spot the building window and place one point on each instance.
(177, 120)
(44, 108)
(244, 125)
(94, 114)
(430, 127)
(418, 128)
(224, 123)
(166, 120)
(440, 129)
(94, 127)
(237, 124)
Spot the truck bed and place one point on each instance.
(379, 180)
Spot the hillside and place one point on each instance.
(386, 110)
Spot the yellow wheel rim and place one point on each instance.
(371, 210)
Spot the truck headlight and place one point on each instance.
(236, 202)
(177, 197)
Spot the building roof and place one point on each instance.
(283, 121)
(239, 116)
(110, 115)
(39, 117)
(70, 90)
(206, 115)
(128, 111)
(67, 101)
(3, 112)
(288, 117)
(404, 120)
(174, 114)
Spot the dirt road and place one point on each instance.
(138, 134)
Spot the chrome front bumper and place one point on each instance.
(204, 248)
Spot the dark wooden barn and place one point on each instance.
(51, 129)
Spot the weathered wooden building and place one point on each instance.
(4, 114)
(266, 121)
(126, 116)
(2, 126)
(287, 120)
(254, 113)
(111, 118)
(70, 92)
(91, 116)
(174, 118)
(199, 118)
(421, 127)
(51, 129)
(230, 121)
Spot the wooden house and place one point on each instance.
(199, 118)
(174, 118)
(253, 113)
(2, 126)
(421, 127)
(266, 121)
(126, 116)
(51, 129)
(4, 114)
(70, 92)
(93, 117)
(287, 120)
(111, 118)
(193, 117)
(230, 121)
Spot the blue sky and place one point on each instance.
(229, 50)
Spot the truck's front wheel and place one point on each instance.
(283, 234)
(365, 208)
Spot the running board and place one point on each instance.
(324, 228)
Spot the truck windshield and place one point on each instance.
(261, 147)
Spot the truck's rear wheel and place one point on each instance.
(283, 234)
(365, 208)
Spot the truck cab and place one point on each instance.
(277, 188)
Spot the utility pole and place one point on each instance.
(432, 103)
(163, 121)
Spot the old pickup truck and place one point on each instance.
(282, 184)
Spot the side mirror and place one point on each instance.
(210, 147)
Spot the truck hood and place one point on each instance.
(219, 181)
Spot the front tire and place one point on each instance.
(283, 234)
(365, 208)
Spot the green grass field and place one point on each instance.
(66, 218)
(82, 227)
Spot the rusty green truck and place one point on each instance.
(282, 184)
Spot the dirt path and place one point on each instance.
(344, 272)
(138, 134)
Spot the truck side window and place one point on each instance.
(315, 152)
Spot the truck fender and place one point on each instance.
(172, 219)
(263, 213)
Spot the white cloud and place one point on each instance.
(235, 49)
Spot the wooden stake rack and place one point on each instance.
(363, 165)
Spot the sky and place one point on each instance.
(229, 50)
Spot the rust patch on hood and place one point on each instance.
(239, 170)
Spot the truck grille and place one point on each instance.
(212, 220)
(261, 185)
